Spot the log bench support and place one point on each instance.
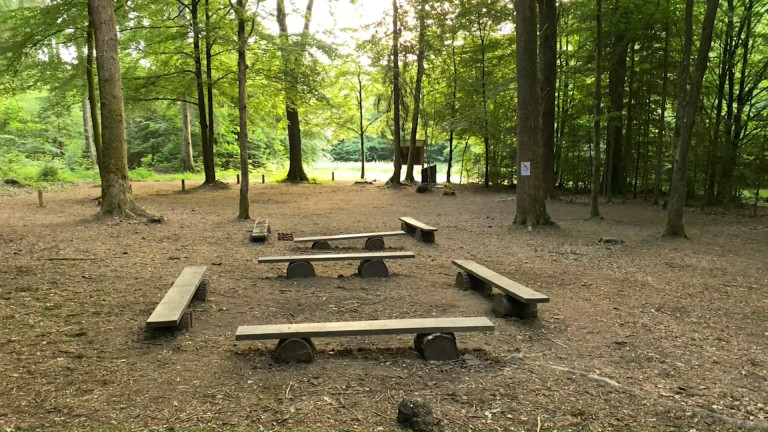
(371, 244)
(374, 241)
(420, 231)
(512, 300)
(434, 341)
(373, 268)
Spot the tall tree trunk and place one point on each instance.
(630, 119)
(242, 105)
(453, 107)
(395, 179)
(93, 100)
(116, 199)
(207, 145)
(548, 72)
(662, 115)
(675, 226)
(209, 74)
(292, 60)
(360, 118)
(417, 91)
(187, 159)
(617, 74)
(88, 133)
(594, 207)
(531, 189)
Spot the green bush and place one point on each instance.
(49, 173)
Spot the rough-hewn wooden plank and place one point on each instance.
(364, 328)
(348, 236)
(171, 308)
(260, 231)
(337, 257)
(414, 223)
(520, 292)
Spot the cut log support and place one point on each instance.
(374, 244)
(298, 270)
(373, 269)
(294, 350)
(436, 346)
(321, 245)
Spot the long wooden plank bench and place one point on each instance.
(260, 231)
(175, 303)
(434, 336)
(513, 300)
(371, 264)
(417, 229)
(374, 241)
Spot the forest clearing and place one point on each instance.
(651, 334)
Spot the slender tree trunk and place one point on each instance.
(486, 137)
(453, 108)
(116, 199)
(630, 119)
(242, 97)
(594, 208)
(362, 129)
(93, 100)
(207, 145)
(395, 179)
(291, 68)
(662, 116)
(531, 189)
(417, 91)
(675, 226)
(187, 159)
(548, 73)
(209, 74)
(88, 133)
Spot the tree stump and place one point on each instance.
(374, 244)
(507, 306)
(372, 269)
(300, 270)
(415, 414)
(294, 350)
(436, 346)
(201, 294)
(321, 245)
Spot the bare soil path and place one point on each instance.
(652, 334)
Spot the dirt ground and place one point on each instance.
(652, 334)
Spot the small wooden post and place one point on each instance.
(262, 179)
(333, 176)
(183, 186)
(238, 179)
(40, 198)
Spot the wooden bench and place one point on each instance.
(434, 336)
(172, 307)
(371, 264)
(514, 299)
(417, 229)
(260, 231)
(374, 242)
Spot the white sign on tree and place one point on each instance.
(525, 169)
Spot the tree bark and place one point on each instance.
(398, 163)
(453, 108)
(687, 116)
(548, 73)
(662, 116)
(531, 189)
(617, 74)
(417, 91)
(209, 74)
(360, 118)
(242, 96)
(594, 207)
(207, 145)
(291, 68)
(116, 199)
(486, 137)
(187, 159)
(88, 133)
(93, 100)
